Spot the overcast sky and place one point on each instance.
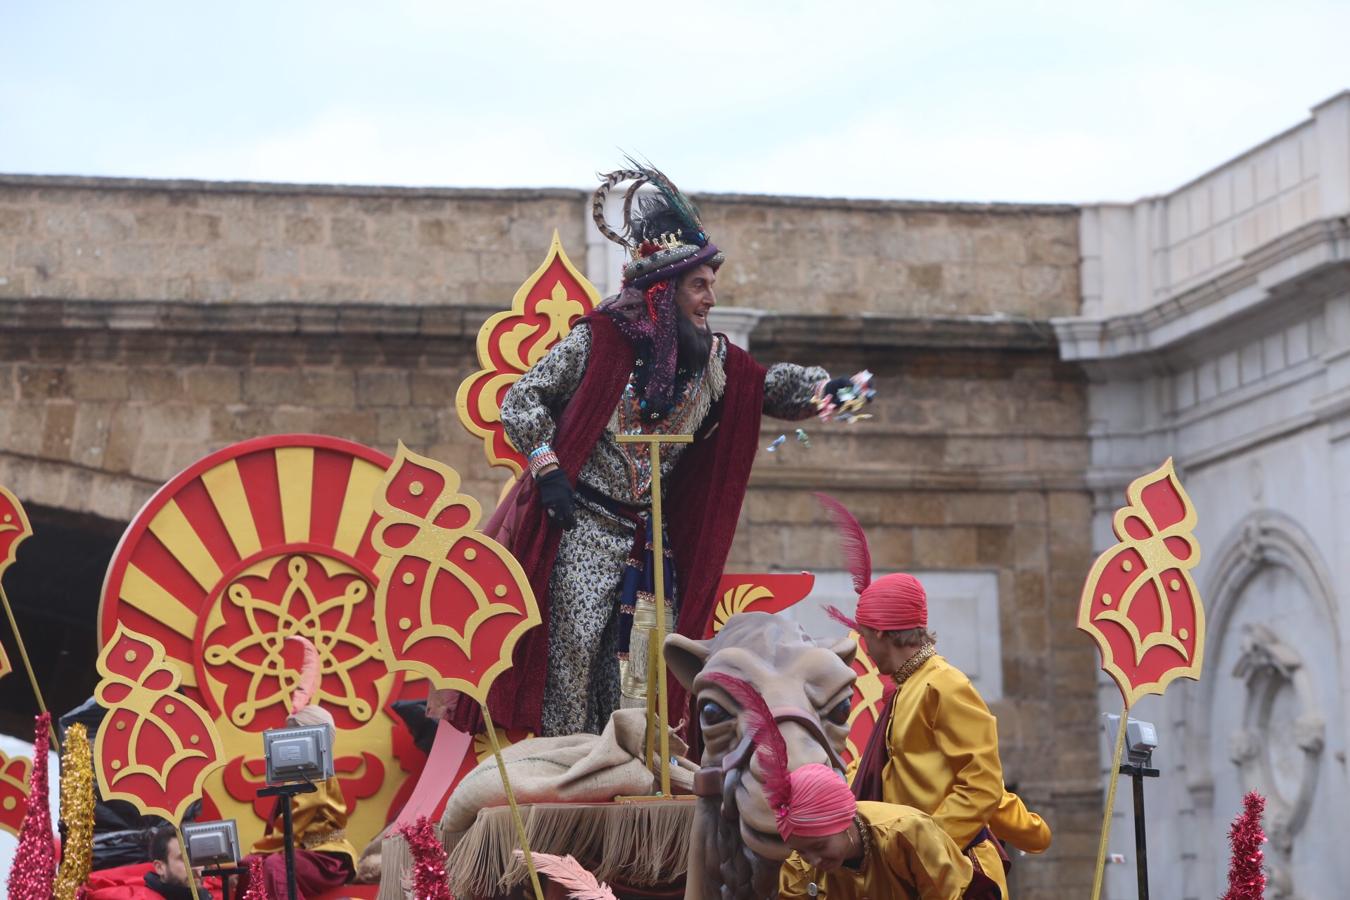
(1063, 101)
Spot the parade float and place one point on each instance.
(378, 561)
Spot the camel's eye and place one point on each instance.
(839, 715)
(712, 713)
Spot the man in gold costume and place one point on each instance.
(935, 747)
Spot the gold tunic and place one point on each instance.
(320, 823)
(943, 744)
(911, 859)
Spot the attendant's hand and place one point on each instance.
(556, 494)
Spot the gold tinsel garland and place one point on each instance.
(77, 812)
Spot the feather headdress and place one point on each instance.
(853, 544)
(895, 602)
(572, 875)
(664, 234)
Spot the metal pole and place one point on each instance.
(1140, 841)
(284, 793)
(288, 832)
(1138, 771)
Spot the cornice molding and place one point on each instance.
(1315, 259)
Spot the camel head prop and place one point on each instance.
(735, 849)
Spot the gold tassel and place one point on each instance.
(77, 811)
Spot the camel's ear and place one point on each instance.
(685, 658)
(847, 648)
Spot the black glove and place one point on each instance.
(835, 385)
(556, 495)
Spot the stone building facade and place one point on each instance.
(144, 324)
(1215, 328)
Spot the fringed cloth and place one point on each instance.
(642, 844)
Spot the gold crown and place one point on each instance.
(666, 241)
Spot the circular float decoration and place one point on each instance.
(266, 539)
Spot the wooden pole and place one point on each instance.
(654, 441)
(32, 677)
(511, 800)
(1110, 804)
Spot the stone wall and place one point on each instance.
(125, 239)
(852, 257)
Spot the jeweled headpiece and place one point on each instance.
(664, 235)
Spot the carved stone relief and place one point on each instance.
(1278, 747)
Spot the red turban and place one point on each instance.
(892, 603)
(821, 803)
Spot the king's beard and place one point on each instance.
(694, 344)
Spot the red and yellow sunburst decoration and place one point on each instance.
(260, 541)
(542, 312)
(757, 592)
(871, 691)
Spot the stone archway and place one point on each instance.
(54, 588)
(1275, 732)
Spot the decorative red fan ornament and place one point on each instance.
(1140, 604)
(455, 602)
(14, 775)
(156, 747)
(14, 530)
(1142, 608)
(542, 313)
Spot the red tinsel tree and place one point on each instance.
(33, 875)
(257, 881)
(430, 880)
(1246, 876)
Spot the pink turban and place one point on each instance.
(821, 803)
(891, 603)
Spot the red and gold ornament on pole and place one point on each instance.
(1142, 607)
(155, 747)
(454, 602)
(542, 313)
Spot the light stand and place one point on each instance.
(286, 792)
(1142, 741)
(295, 757)
(214, 845)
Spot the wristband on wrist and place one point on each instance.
(541, 459)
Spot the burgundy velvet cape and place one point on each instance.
(702, 503)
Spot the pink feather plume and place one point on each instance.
(852, 541)
(841, 617)
(309, 675)
(572, 875)
(769, 744)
